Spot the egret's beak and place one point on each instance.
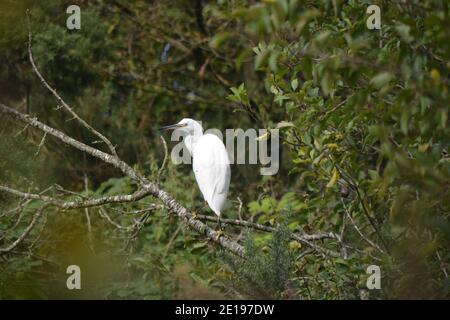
(172, 127)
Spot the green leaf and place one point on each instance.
(404, 32)
(381, 79)
(334, 179)
(219, 39)
(285, 124)
(294, 84)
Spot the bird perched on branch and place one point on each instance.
(210, 163)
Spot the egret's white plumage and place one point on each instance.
(210, 163)
(212, 170)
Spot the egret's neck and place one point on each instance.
(191, 140)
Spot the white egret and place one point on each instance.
(210, 163)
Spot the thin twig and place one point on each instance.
(105, 215)
(358, 230)
(166, 152)
(36, 217)
(41, 144)
(77, 204)
(171, 240)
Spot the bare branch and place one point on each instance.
(60, 100)
(88, 216)
(151, 207)
(125, 168)
(193, 223)
(303, 238)
(27, 195)
(41, 144)
(359, 231)
(138, 195)
(166, 152)
(351, 182)
(262, 227)
(106, 216)
(36, 217)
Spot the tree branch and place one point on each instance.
(303, 238)
(61, 100)
(370, 242)
(33, 222)
(138, 195)
(146, 185)
(116, 162)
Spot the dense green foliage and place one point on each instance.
(363, 116)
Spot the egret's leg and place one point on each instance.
(218, 223)
(219, 232)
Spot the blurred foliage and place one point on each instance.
(266, 272)
(363, 116)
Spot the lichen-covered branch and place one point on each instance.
(302, 238)
(27, 230)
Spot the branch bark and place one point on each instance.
(28, 229)
(78, 204)
(302, 238)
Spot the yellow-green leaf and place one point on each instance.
(334, 179)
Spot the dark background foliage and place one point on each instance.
(363, 116)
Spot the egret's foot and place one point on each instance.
(194, 214)
(219, 233)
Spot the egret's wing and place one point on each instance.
(211, 167)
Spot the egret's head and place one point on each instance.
(187, 126)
